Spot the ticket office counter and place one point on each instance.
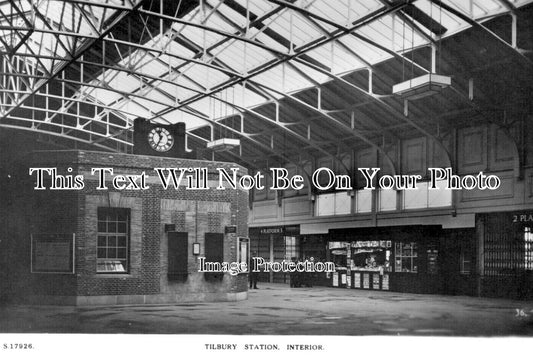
(402, 266)
(343, 278)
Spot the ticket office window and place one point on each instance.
(406, 257)
(338, 252)
(371, 256)
(112, 246)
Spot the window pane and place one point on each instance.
(325, 204)
(102, 226)
(121, 253)
(119, 266)
(112, 253)
(112, 226)
(102, 241)
(112, 241)
(101, 253)
(343, 203)
(416, 198)
(100, 267)
(387, 199)
(121, 227)
(364, 201)
(121, 241)
(440, 196)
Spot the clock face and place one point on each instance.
(160, 139)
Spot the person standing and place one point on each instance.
(252, 274)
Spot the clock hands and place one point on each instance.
(160, 139)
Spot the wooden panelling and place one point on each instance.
(438, 157)
(414, 159)
(292, 170)
(472, 145)
(265, 210)
(346, 159)
(325, 162)
(501, 150)
(364, 159)
(392, 153)
(214, 252)
(506, 190)
(298, 206)
(177, 255)
(261, 194)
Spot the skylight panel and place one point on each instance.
(259, 8)
(239, 58)
(122, 81)
(202, 38)
(294, 29)
(105, 96)
(204, 75)
(191, 121)
(152, 107)
(160, 96)
(177, 92)
(267, 40)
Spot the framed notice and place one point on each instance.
(375, 281)
(385, 282)
(366, 281)
(52, 253)
(357, 280)
(335, 279)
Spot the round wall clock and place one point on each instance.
(160, 139)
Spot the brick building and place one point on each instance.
(96, 246)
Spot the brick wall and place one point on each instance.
(146, 280)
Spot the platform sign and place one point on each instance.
(52, 253)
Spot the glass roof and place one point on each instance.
(219, 60)
(203, 66)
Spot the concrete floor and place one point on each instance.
(276, 309)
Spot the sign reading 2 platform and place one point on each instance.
(523, 217)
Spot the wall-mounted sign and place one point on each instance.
(230, 229)
(366, 281)
(385, 282)
(196, 248)
(283, 230)
(523, 217)
(52, 253)
(170, 227)
(271, 230)
(357, 280)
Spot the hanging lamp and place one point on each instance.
(426, 84)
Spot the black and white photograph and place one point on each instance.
(266, 177)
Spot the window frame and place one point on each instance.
(412, 256)
(123, 261)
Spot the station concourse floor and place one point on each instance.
(276, 309)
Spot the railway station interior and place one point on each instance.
(94, 93)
